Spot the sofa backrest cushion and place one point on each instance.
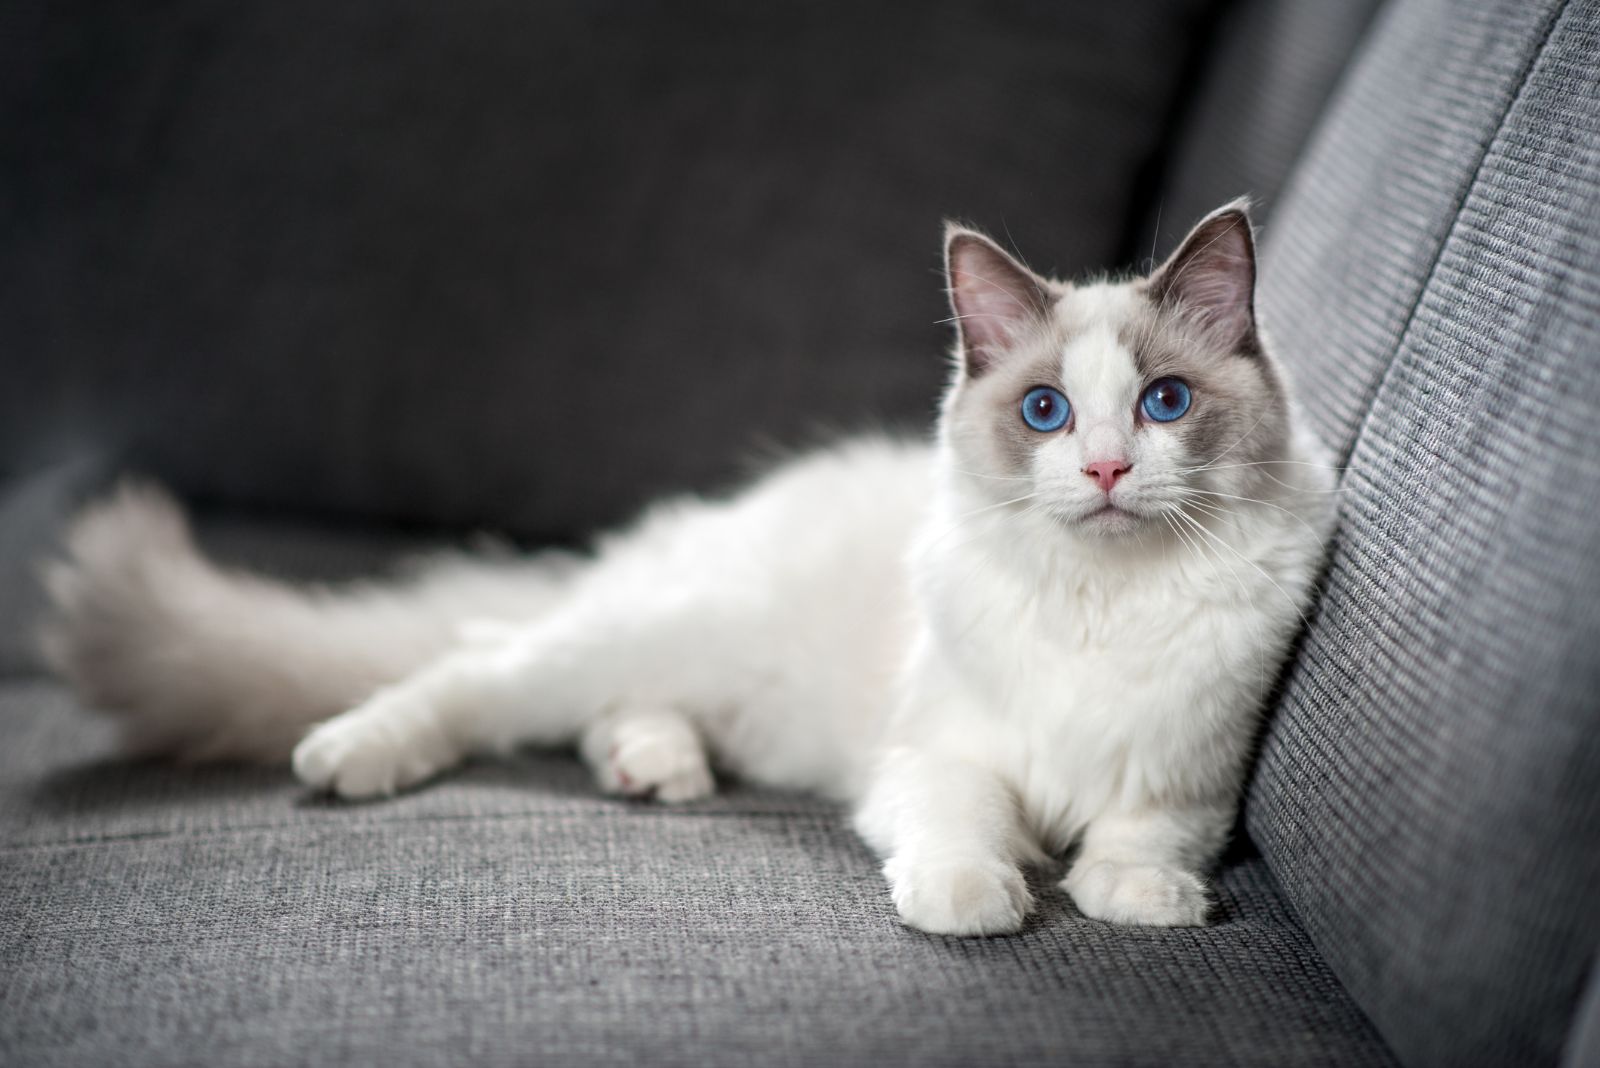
(529, 265)
(1260, 91)
(1427, 791)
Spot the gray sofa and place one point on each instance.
(349, 278)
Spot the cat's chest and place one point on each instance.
(1082, 671)
(1022, 632)
(1071, 698)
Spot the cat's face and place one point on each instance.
(1112, 407)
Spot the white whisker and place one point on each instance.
(1244, 590)
(1291, 513)
(1208, 464)
(1259, 570)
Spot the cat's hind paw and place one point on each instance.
(1143, 895)
(650, 754)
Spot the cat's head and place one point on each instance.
(1106, 406)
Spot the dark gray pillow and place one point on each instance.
(522, 264)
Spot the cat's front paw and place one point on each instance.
(389, 743)
(960, 896)
(1145, 895)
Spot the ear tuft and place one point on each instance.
(1212, 276)
(994, 297)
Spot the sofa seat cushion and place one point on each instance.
(158, 915)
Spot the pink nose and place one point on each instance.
(1106, 472)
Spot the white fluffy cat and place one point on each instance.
(1055, 625)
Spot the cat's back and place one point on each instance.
(863, 494)
(859, 489)
(808, 501)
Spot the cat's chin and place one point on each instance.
(1109, 521)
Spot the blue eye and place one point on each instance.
(1166, 399)
(1045, 409)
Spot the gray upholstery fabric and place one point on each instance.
(527, 265)
(1366, 212)
(1264, 85)
(1428, 790)
(236, 250)
(152, 915)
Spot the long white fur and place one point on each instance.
(983, 685)
(208, 663)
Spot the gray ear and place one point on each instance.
(1212, 276)
(994, 297)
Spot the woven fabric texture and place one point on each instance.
(150, 915)
(1427, 792)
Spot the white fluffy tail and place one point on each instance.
(211, 664)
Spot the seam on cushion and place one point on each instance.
(1578, 1028)
(1465, 194)
(443, 817)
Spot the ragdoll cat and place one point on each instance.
(1053, 626)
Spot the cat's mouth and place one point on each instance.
(1109, 519)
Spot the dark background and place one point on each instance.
(529, 265)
